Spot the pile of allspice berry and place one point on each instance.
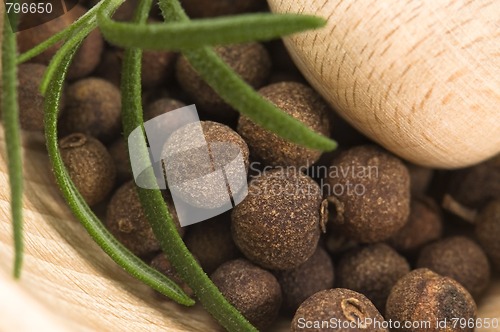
(356, 238)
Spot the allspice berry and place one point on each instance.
(126, 219)
(119, 152)
(211, 242)
(159, 107)
(302, 103)
(425, 296)
(156, 67)
(250, 61)
(474, 186)
(110, 66)
(370, 193)
(278, 224)
(315, 275)
(124, 13)
(93, 107)
(340, 310)
(252, 290)
(86, 58)
(424, 225)
(89, 165)
(161, 263)
(31, 111)
(336, 242)
(420, 178)
(212, 8)
(372, 271)
(459, 258)
(488, 231)
(197, 160)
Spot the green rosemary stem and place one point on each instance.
(74, 41)
(200, 32)
(242, 96)
(11, 125)
(89, 18)
(121, 255)
(154, 205)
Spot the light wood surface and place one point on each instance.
(69, 284)
(422, 78)
(67, 280)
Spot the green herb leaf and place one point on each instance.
(88, 18)
(11, 125)
(243, 97)
(154, 205)
(84, 28)
(121, 255)
(67, 48)
(201, 32)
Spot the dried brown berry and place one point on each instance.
(488, 231)
(125, 218)
(160, 107)
(194, 157)
(459, 258)
(424, 296)
(370, 191)
(119, 152)
(125, 12)
(280, 57)
(30, 99)
(110, 66)
(423, 226)
(93, 106)
(372, 271)
(278, 224)
(420, 178)
(89, 165)
(340, 310)
(336, 242)
(162, 264)
(250, 61)
(299, 101)
(211, 242)
(476, 185)
(315, 275)
(255, 292)
(156, 66)
(211, 8)
(88, 55)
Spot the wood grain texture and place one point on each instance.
(422, 78)
(66, 274)
(69, 284)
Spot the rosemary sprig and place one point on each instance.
(62, 53)
(232, 89)
(77, 36)
(122, 256)
(240, 95)
(215, 31)
(11, 125)
(89, 18)
(154, 205)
